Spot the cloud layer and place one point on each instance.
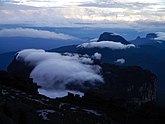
(106, 44)
(34, 33)
(97, 56)
(55, 71)
(139, 14)
(120, 61)
(160, 36)
(45, 3)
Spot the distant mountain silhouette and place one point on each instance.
(151, 36)
(106, 36)
(149, 39)
(147, 55)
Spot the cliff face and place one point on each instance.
(133, 84)
(130, 84)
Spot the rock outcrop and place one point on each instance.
(19, 82)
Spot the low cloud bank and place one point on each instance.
(160, 36)
(34, 33)
(55, 70)
(106, 44)
(97, 56)
(120, 61)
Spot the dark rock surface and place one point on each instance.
(106, 36)
(132, 84)
(20, 107)
(19, 82)
(18, 67)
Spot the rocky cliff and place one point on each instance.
(131, 83)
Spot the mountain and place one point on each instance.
(124, 83)
(150, 39)
(151, 36)
(128, 94)
(106, 36)
(148, 56)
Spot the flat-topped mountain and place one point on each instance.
(106, 36)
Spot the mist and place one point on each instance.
(55, 71)
(34, 33)
(106, 44)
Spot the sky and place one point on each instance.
(138, 14)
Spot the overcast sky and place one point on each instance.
(94, 13)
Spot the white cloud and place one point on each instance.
(97, 56)
(82, 58)
(120, 61)
(94, 39)
(160, 36)
(34, 33)
(99, 13)
(46, 3)
(106, 44)
(55, 71)
(124, 1)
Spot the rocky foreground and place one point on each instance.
(127, 97)
(27, 106)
